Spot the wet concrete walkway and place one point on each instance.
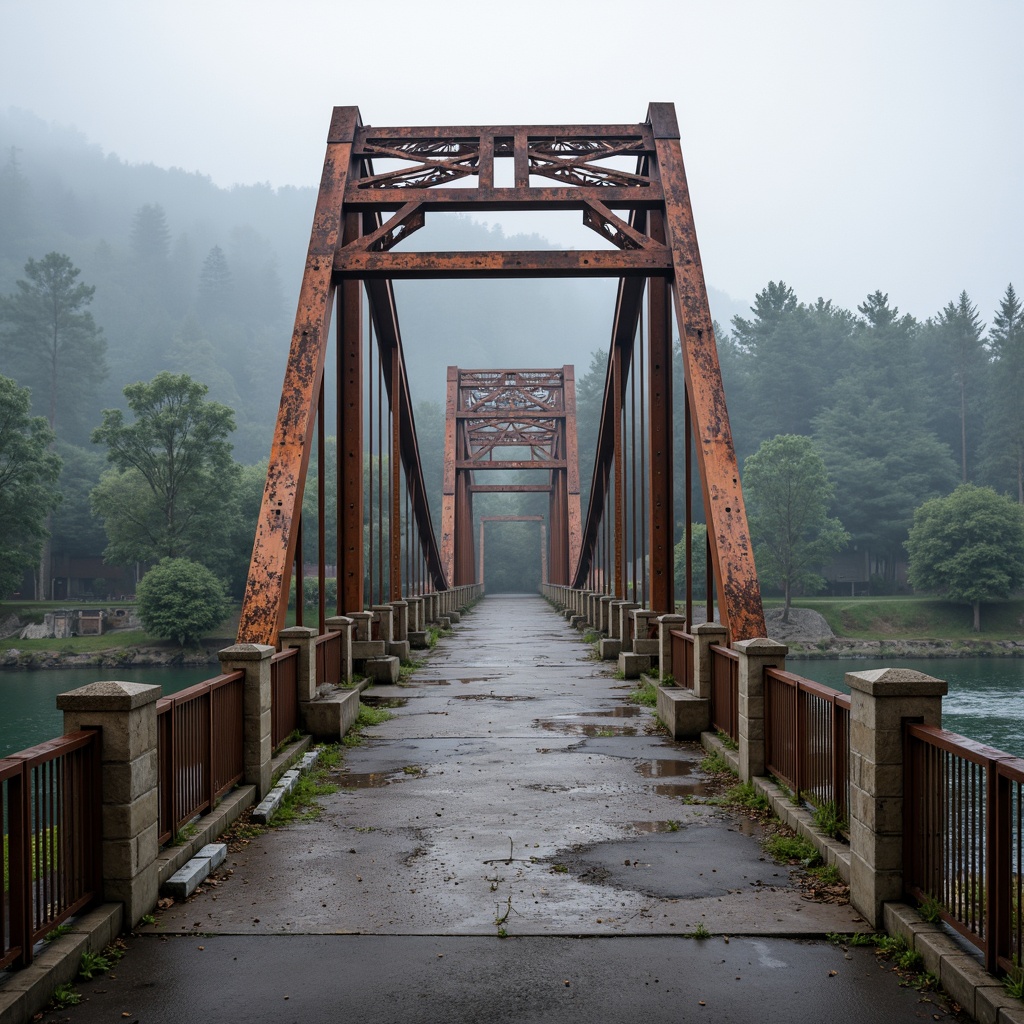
(517, 843)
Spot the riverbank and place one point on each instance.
(17, 659)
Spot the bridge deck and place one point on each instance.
(517, 783)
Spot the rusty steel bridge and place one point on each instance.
(378, 187)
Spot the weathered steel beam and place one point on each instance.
(510, 464)
(660, 513)
(275, 541)
(525, 197)
(542, 263)
(739, 595)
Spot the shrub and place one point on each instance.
(181, 600)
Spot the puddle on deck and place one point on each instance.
(376, 701)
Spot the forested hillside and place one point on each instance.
(168, 272)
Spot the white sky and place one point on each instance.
(839, 147)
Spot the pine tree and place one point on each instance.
(1004, 434)
(51, 343)
(963, 357)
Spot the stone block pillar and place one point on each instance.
(416, 614)
(625, 627)
(666, 623)
(705, 636)
(755, 657)
(644, 620)
(880, 702)
(384, 617)
(125, 714)
(303, 637)
(361, 625)
(254, 661)
(401, 619)
(343, 624)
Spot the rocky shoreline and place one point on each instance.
(839, 647)
(118, 657)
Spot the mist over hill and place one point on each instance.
(195, 278)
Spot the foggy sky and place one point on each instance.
(841, 148)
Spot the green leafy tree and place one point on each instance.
(788, 496)
(170, 494)
(51, 343)
(968, 546)
(181, 600)
(29, 469)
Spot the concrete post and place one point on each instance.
(361, 625)
(125, 713)
(401, 619)
(384, 616)
(344, 625)
(303, 637)
(705, 636)
(644, 620)
(755, 657)
(604, 615)
(254, 661)
(416, 614)
(666, 623)
(880, 702)
(625, 627)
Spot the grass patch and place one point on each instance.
(913, 618)
(727, 741)
(301, 803)
(65, 996)
(827, 820)
(367, 716)
(701, 931)
(92, 964)
(745, 795)
(408, 668)
(715, 764)
(785, 847)
(827, 874)
(645, 694)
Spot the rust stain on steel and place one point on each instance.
(732, 555)
(274, 546)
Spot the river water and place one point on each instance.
(28, 710)
(985, 701)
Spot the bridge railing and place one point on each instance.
(682, 658)
(328, 658)
(963, 838)
(807, 739)
(199, 749)
(725, 693)
(50, 804)
(284, 695)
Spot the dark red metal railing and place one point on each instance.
(682, 658)
(284, 695)
(725, 691)
(328, 659)
(807, 739)
(199, 748)
(50, 804)
(963, 837)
